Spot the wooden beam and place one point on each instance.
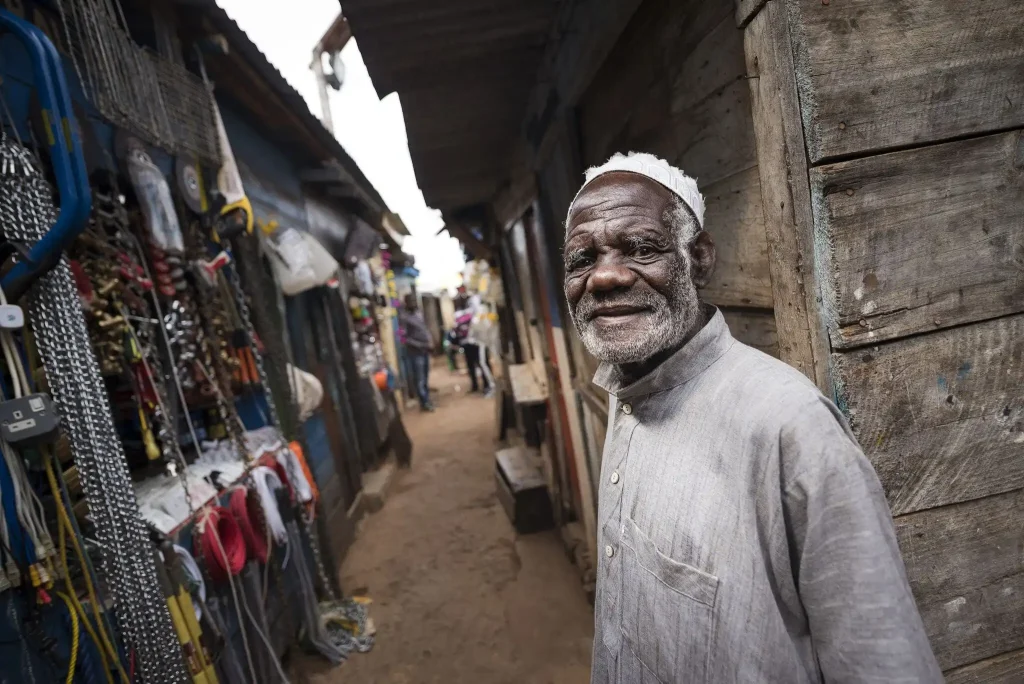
(941, 416)
(877, 75)
(922, 239)
(786, 196)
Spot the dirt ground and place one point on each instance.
(458, 596)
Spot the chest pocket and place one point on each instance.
(667, 612)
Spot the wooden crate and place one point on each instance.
(522, 490)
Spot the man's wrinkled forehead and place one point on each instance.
(615, 195)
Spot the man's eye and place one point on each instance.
(579, 263)
(643, 251)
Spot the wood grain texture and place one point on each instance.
(755, 328)
(966, 569)
(580, 42)
(941, 416)
(917, 240)
(1007, 668)
(687, 101)
(665, 67)
(878, 74)
(735, 220)
(746, 9)
(785, 192)
(711, 129)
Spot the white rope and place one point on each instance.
(266, 481)
(194, 574)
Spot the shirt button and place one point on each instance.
(627, 409)
(615, 477)
(609, 551)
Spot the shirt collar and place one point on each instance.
(706, 347)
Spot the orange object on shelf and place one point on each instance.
(297, 450)
(381, 378)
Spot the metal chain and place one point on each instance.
(111, 214)
(245, 315)
(73, 377)
(211, 309)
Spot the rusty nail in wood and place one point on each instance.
(863, 323)
(842, 124)
(937, 322)
(824, 2)
(850, 192)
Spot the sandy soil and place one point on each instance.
(458, 596)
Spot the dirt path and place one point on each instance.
(458, 596)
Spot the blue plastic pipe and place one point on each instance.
(65, 152)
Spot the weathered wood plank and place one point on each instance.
(711, 131)
(1007, 668)
(746, 9)
(786, 197)
(627, 105)
(661, 91)
(966, 568)
(921, 239)
(755, 328)
(941, 416)
(514, 198)
(875, 75)
(714, 138)
(735, 220)
(580, 41)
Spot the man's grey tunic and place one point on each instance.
(743, 535)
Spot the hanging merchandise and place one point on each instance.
(308, 391)
(154, 196)
(231, 203)
(300, 262)
(72, 375)
(61, 335)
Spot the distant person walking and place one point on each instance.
(476, 344)
(419, 343)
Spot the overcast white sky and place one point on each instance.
(371, 130)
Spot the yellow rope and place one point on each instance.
(74, 638)
(65, 526)
(83, 618)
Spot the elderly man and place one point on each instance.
(744, 536)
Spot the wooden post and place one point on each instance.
(785, 191)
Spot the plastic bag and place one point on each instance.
(154, 197)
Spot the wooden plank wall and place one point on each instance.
(674, 85)
(911, 118)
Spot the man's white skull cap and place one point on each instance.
(658, 170)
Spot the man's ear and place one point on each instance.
(702, 251)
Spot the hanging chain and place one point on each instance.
(212, 313)
(73, 377)
(245, 315)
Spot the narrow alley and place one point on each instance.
(457, 595)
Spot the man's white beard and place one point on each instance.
(669, 320)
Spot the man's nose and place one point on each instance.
(610, 275)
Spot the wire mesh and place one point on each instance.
(157, 100)
(189, 108)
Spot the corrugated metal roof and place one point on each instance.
(463, 70)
